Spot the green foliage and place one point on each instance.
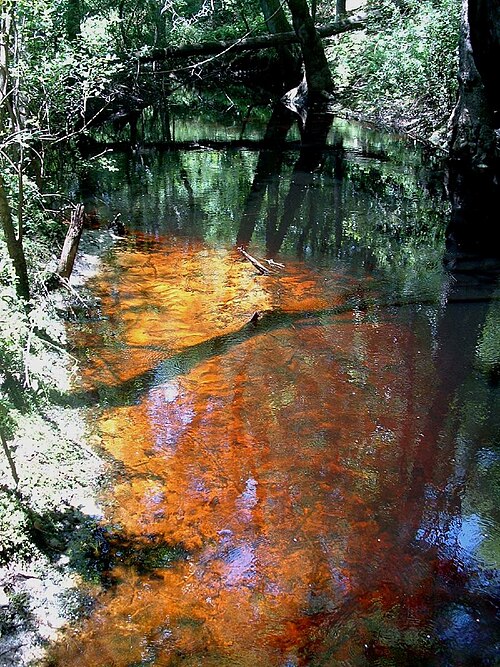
(189, 21)
(26, 374)
(13, 529)
(488, 348)
(403, 69)
(32, 338)
(13, 325)
(60, 76)
(403, 72)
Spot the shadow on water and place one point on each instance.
(316, 487)
(183, 362)
(471, 252)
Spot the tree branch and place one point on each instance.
(250, 43)
(8, 454)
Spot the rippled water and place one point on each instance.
(318, 487)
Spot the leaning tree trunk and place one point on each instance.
(271, 40)
(288, 55)
(473, 139)
(14, 246)
(317, 73)
(474, 165)
(275, 16)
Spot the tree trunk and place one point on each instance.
(340, 9)
(317, 72)
(474, 165)
(10, 121)
(71, 242)
(275, 17)
(8, 456)
(473, 139)
(484, 20)
(473, 224)
(14, 245)
(73, 18)
(288, 55)
(5, 35)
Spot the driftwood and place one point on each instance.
(250, 43)
(260, 267)
(271, 262)
(71, 242)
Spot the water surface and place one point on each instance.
(316, 487)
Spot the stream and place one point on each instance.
(315, 485)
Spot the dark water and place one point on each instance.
(318, 487)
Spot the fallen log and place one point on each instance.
(183, 362)
(250, 43)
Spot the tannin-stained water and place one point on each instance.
(303, 489)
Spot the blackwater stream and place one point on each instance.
(318, 486)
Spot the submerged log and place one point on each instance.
(71, 242)
(184, 361)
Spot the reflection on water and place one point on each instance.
(318, 491)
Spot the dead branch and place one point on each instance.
(65, 283)
(10, 460)
(260, 267)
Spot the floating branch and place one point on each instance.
(271, 262)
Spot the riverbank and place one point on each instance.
(49, 519)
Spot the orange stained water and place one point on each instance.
(287, 465)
